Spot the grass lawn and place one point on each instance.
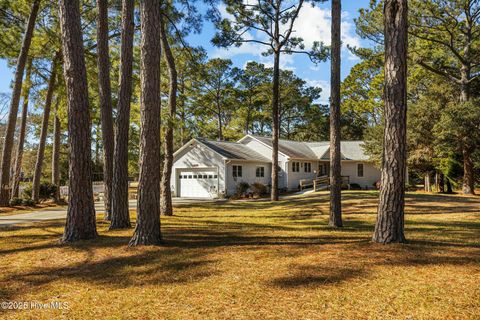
(244, 260)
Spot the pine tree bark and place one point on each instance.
(276, 125)
(120, 217)
(166, 207)
(441, 183)
(80, 222)
(147, 229)
(56, 153)
(390, 219)
(43, 133)
(21, 136)
(335, 153)
(105, 94)
(12, 116)
(449, 186)
(468, 185)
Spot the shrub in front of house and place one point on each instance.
(15, 202)
(355, 186)
(28, 202)
(242, 188)
(258, 189)
(47, 191)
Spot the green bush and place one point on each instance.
(27, 192)
(28, 202)
(242, 188)
(15, 202)
(355, 186)
(258, 189)
(47, 191)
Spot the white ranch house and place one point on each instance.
(212, 169)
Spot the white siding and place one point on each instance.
(295, 177)
(248, 174)
(267, 153)
(370, 173)
(198, 157)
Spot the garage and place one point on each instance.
(198, 183)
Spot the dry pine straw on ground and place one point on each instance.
(256, 260)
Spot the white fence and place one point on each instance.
(98, 187)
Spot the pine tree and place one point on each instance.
(390, 219)
(12, 116)
(120, 217)
(147, 230)
(80, 222)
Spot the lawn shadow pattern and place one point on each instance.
(194, 237)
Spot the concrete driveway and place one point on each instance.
(61, 213)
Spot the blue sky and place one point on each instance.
(313, 24)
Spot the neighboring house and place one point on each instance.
(211, 169)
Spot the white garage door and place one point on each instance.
(198, 184)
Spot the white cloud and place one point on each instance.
(325, 85)
(313, 24)
(286, 62)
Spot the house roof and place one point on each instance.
(233, 150)
(351, 150)
(292, 149)
(319, 148)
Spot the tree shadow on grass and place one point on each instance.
(151, 266)
(363, 258)
(189, 241)
(313, 276)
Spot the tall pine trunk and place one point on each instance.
(335, 153)
(21, 136)
(276, 124)
(43, 133)
(147, 229)
(441, 183)
(120, 217)
(166, 192)
(80, 222)
(449, 186)
(56, 153)
(390, 220)
(12, 116)
(105, 94)
(468, 185)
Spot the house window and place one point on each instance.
(307, 167)
(295, 166)
(260, 172)
(237, 171)
(360, 170)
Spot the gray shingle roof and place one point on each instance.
(292, 149)
(234, 150)
(351, 150)
(319, 148)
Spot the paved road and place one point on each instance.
(61, 213)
